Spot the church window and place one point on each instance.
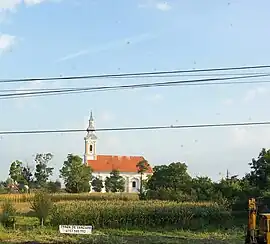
(134, 184)
(91, 148)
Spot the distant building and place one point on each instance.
(102, 165)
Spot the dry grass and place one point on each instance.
(73, 197)
(23, 207)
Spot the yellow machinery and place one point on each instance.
(256, 235)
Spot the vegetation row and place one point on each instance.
(143, 214)
(57, 197)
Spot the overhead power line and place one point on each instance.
(184, 84)
(121, 75)
(131, 86)
(136, 128)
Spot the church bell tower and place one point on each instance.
(90, 141)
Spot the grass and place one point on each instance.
(28, 230)
(48, 235)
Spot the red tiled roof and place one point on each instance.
(106, 163)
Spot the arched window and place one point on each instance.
(133, 184)
(91, 148)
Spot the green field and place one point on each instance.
(124, 236)
(126, 220)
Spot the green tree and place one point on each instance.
(142, 167)
(41, 204)
(27, 175)
(43, 171)
(97, 184)
(76, 175)
(174, 176)
(230, 188)
(259, 175)
(115, 183)
(16, 171)
(54, 186)
(203, 189)
(3, 187)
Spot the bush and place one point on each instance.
(41, 205)
(143, 214)
(8, 214)
(168, 194)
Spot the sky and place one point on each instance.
(43, 38)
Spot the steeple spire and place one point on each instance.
(91, 116)
(91, 124)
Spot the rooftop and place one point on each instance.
(106, 163)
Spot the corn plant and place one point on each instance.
(57, 197)
(143, 214)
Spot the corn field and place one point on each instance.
(57, 197)
(141, 214)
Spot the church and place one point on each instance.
(102, 165)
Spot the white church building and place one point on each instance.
(102, 165)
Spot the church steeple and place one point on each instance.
(91, 124)
(90, 141)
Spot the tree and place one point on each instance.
(43, 171)
(41, 204)
(97, 184)
(15, 171)
(259, 175)
(76, 175)
(142, 167)
(203, 189)
(115, 183)
(174, 176)
(170, 182)
(27, 175)
(54, 187)
(3, 187)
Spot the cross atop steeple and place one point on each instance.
(91, 116)
(91, 124)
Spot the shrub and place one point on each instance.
(168, 194)
(8, 214)
(41, 205)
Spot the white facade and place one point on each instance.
(132, 180)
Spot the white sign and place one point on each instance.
(76, 229)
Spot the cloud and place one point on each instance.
(163, 6)
(248, 137)
(33, 2)
(109, 46)
(11, 5)
(160, 5)
(107, 116)
(248, 96)
(6, 42)
(252, 94)
(228, 101)
(155, 98)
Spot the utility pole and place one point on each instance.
(227, 175)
